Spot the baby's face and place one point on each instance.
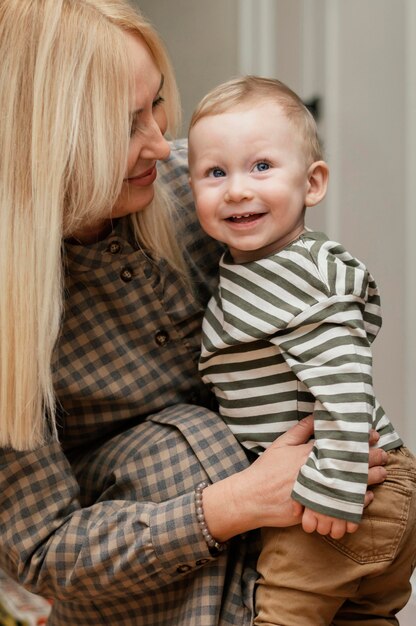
(249, 177)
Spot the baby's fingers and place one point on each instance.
(338, 528)
(351, 527)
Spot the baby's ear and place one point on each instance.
(318, 174)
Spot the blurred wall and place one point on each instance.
(201, 38)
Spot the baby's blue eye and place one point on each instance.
(262, 166)
(217, 172)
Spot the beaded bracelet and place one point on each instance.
(214, 546)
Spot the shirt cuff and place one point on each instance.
(176, 536)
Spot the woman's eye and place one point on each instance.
(262, 166)
(136, 123)
(216, 172)
(158, 101)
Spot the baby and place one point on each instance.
(289, 333)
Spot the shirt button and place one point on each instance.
(182, 569)
(201, 562)
(161, 337)
(126, 274)
(114, 247)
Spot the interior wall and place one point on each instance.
(202, 39)
(369, 156)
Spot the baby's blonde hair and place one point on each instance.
(254, 89)
(65, 87)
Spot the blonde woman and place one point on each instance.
(123, 498)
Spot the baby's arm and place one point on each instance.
(333, 361)
(313, 521)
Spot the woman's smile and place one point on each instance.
(143, 180)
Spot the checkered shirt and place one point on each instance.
(104, 523)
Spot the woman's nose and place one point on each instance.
(155, 146)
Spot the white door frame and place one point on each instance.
(257, 19)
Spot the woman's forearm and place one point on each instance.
(112, 548)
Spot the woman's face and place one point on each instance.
(147, 142)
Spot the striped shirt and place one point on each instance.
(289, 335)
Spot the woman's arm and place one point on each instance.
(113, 548)
(143, 533)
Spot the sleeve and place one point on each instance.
(327, 348)
(110, 549)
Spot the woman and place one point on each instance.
(105, 427)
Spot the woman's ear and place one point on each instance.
(318, 174)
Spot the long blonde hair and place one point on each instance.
(65, 86)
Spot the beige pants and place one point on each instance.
(310, 580)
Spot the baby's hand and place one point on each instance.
(326, 525)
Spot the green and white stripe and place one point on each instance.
(290, 335)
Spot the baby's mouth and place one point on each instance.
(243, 219)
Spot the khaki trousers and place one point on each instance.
(310, 580)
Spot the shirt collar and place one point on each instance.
(83, 257)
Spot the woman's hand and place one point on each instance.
(260, 495)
